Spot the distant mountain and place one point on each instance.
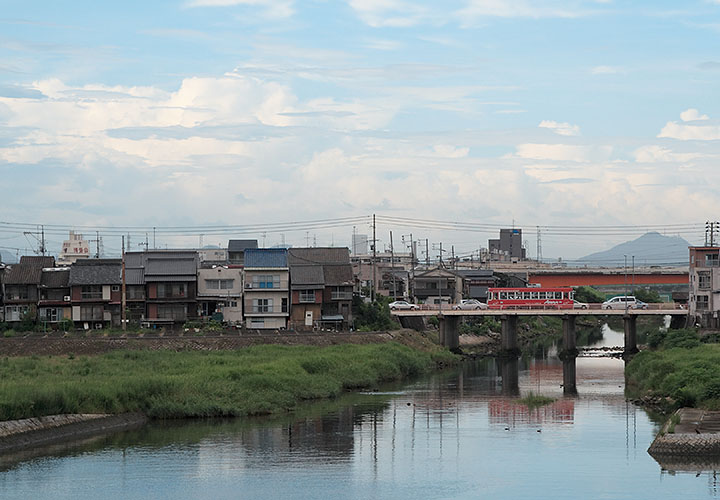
(7, 257)
(650, 249)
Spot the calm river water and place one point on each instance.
(452, 435)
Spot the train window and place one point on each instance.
(534, 295)
(503, 295)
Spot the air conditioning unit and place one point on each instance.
(248, 285)
(66, 298)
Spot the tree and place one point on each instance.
(647, 295)
(588, 294)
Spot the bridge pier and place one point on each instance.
(630, 323)
(508, 334)
(569, 338)
(449, 332)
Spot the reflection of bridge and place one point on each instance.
(450, 321)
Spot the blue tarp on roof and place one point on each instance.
(265, 257)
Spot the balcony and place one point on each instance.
(341, 296)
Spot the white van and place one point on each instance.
(624, 302)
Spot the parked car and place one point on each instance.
(470, 305)
(580, 305)
(400, 305)
(623, 302)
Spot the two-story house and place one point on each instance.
(95, 292)
(267, 288)
(333, 267)
(437, 286)
(219, 292)
(22, 284)
(54, 298)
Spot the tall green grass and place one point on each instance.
(691, 377)
(163, 384)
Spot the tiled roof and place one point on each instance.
(241, 245)
(134, 276)
(319, 255)
(338, 274)
(171, 267)
(160, 265)
(266, 257)
(29, 270)
(95, 272)
(55, 278)
(307, 277)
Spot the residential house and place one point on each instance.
(438, 285)
(267, 288)
(236, 250)
(169, 278)
(704, 273)
(22, 284)
(476, 283)
(332, 266)
(54, 301)
(95, 292)
(219, 292)
(307, 283)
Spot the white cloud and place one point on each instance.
(271, 8)
(389, 13)
(692, 114)
(562, 152)
(655, 154)
(516, 8)
(560, 128)
(685, 132)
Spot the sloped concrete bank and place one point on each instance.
(689, 432)
(42, 431)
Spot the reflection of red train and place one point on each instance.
(508, 411)
(527, 298)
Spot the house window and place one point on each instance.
(115, 288)
(306, 296)
(266, 281)
(704, 280)
(177, 312)
(219, 284)
(701, 302)
(284, 305)
(17, 292)
(171, 290)
(50, 314)
(15, 313)
(91, 313)
(262, 305)
(91, 292)
(257, 323)
(135, 292)
(712, 260)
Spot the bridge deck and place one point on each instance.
(543, 312)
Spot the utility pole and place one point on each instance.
(392, 266)
(538, 254)
(632, 287)
(452, 253)
(97, 244)
(42, 238)
(374, 256)
(154, 246)
(123, 298)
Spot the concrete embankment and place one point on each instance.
(689, 441)
(42, 431)
(49, 346)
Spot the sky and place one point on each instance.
(569, 114)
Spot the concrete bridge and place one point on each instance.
(450, 321)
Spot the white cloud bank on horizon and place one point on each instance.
(691, 131)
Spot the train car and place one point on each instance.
(529, 298)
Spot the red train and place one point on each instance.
(529, 298)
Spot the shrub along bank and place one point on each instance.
(682, 370)
(258, 380)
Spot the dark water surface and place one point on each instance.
(453, 435)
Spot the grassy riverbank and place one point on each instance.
(162, 384)
(682, 371)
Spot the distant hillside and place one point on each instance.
(649, 249)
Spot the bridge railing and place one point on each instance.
(670, 306)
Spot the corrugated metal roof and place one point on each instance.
(55, 278)
(241, 245)
(265, 257)
(96, 272)
(170, 267)
(134, 276)
(29, 270)
(307, 277)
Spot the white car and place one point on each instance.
(624, 302)
(400, 305)
(470, 305)
(580, 305)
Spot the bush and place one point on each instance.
(66, 325)
(684, 339)
(9, 333)
(373, 316)
(588, 294)
(647, 295)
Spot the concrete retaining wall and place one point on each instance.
(31, 432)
